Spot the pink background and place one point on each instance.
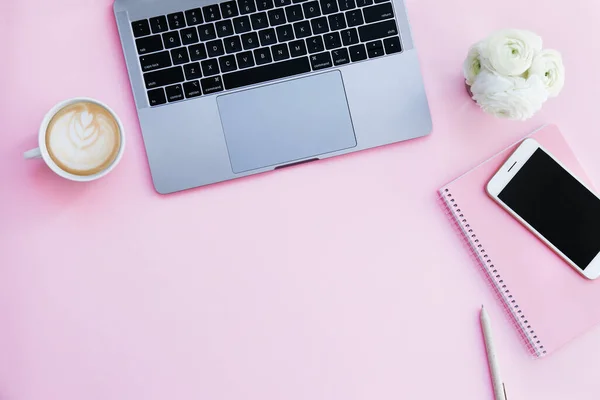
(340, 279)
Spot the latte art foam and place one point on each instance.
(83, 138)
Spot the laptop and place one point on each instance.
(235, 88)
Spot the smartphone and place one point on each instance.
(551, 202)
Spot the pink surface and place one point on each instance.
(552, 302)
(340, 279)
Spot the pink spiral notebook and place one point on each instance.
(548, 302)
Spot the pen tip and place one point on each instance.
(482, 306)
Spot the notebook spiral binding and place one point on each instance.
(492, 274)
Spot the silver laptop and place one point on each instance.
(230, 89)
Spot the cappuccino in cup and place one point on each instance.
(80, 139)
(83, 139)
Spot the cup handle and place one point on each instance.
(34, 153)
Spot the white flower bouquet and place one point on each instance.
(510, 76)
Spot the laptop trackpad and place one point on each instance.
(286, 122)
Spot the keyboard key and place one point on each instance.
(180, 56)
(198, 52)
(375, 49)
(302, 29)
(277, 17)
(140, 28)
(212, 85)
(294, 13)
(315, 44)
(280, 52)
(262, 5)
(319, 25)
(378, 12)
(332, 40)
(159, 24)
(364, 3)
(194, 17)
(176, 21)
(337, 21)
(189, 36)
(282, 3)
(210, 67)
(232, 44)
(349, 37)
(392, 45)
(358, 52)
(340, 56)
(224, 28)
(250, 40)
(267, 37)
(262, 56)
(346, 4)
(192, 89)
(259, 21)
(149, 44)
(378, 30)
(381, 1)
(247, 6)
(163, 77)
(211, 13)
(215, 48)
(192, 71)
(329, 6)
(241, 24)
(171, 40)
(156, 97)
(154, 61)
(298, 1)
(227, 63)
(245, 59)
(320, 61)
(354, 18)
(229, 9)
(207, 32)
(297, 48)
(312, 9)
(266, 73)
(174, 93)
(285, 33)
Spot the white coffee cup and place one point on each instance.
(43, 153)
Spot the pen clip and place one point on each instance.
(504, 388)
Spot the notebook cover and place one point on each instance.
(549, 302)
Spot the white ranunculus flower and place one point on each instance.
(549, 67)
(472, 64)
(510, 52)
(509, 97)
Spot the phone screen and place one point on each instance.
(556, 205)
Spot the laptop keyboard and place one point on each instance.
(235, 44)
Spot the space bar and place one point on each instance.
(266, 73)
